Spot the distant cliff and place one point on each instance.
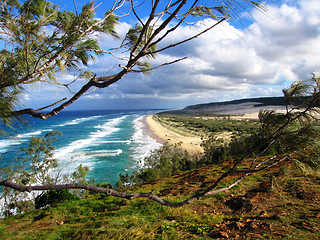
(235, 107)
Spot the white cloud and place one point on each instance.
(93, 96)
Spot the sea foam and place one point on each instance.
(144, 143)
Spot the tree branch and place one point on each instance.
(100, 82)
(111, 192)
(159, 66)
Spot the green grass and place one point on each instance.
(202, 125)
(284, 205)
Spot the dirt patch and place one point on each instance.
(239, 203)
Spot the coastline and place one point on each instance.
(163, 135)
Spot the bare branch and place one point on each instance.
(175, 27)
(135, 13)
(159, 66)
(40, 109)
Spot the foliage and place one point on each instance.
(34, 166)
(40, 154)
(208, 124)
(42, 40)
(53, 196)
(215, 152)
(80, 174)
(163, 162)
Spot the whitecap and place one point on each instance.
(5, 144)
(31, 134)
(77, 121)
(104, 153)
(113, 141)
(138, 134)
(104, 130)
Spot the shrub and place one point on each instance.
(53, 196)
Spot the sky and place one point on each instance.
(230, 62)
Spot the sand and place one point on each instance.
(162, 135)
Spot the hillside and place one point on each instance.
(278, 204)
(235, 107)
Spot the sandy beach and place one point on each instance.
(162, 135)
(192, 144)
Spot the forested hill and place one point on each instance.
(234, 107)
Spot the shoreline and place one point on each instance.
(162, 135)
(148, 131)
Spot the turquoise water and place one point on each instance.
(108, 142)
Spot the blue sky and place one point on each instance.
(229, 62)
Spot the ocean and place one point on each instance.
(109, 142)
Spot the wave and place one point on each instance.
(5, 144)
(31, 134)
(19, 138)
(77, 121)
(113, 141)
(104, 153)
(137, 124)
(26, 135)
(103, 130)
(76, 153)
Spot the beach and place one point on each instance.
(162, 135)
(192, 144)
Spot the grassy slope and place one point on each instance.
(278, 204)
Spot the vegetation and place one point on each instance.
(231, 202)
(280, 204)
(204, 125)
(53, 196)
